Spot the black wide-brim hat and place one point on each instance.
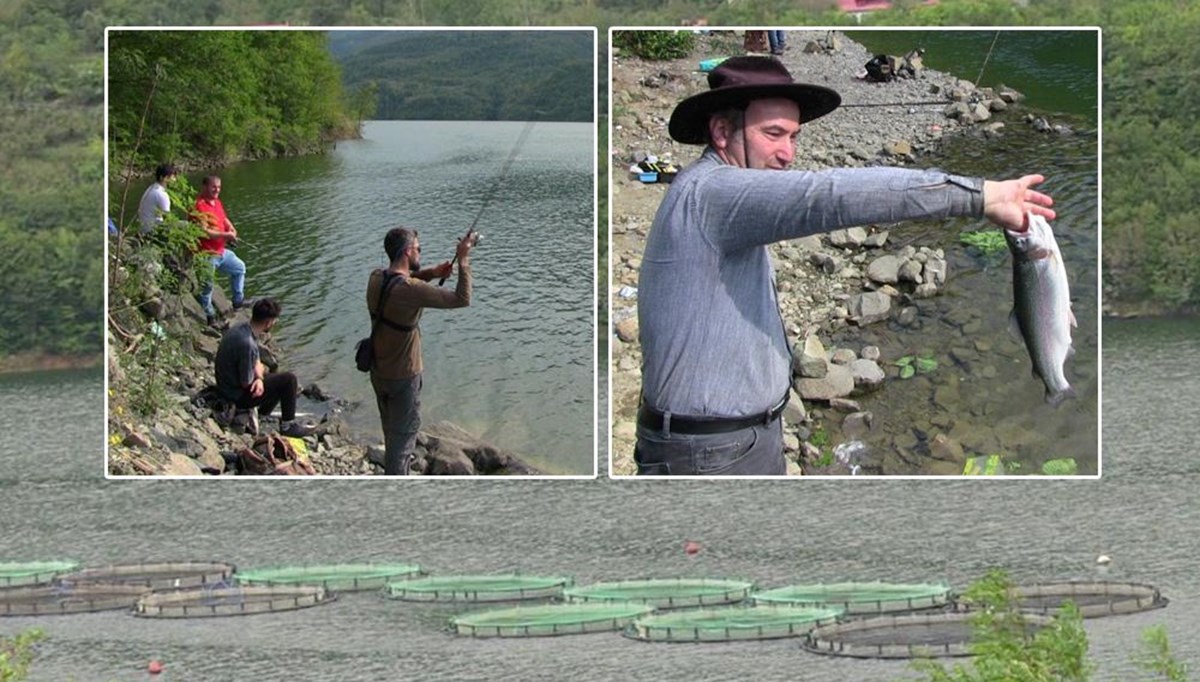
(735, 83)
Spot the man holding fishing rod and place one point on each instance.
(716, 367)
(396, 298)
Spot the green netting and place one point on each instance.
(339, 577)
(860, 598)
(158, 576)
(730, 624)
(548, 620)
(230, 601)
(1094, 599)
(33, 572)
(43, 600)
(664, 594)
(477, 588)
(914, 635)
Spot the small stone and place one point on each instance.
(838, 382)
(907, 316)
(870, 307)
(876, 240)
(884, 270)
(844, 405)
(910, 271)
(843, 356)
(925, 291)
(868, 376)
(627, 329)
(871, 353)
(943, 448)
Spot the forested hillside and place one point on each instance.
(51, 95)
(510, 73)
(204, 98)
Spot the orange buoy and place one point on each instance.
(691, 548)
(155, 667)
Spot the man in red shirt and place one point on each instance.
(210, 213)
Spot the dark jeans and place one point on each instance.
(753, 451)
(399, 403)
(278, 388)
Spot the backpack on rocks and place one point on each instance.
(273, 455)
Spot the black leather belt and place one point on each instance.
(698, 426)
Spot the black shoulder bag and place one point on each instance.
(364, 351)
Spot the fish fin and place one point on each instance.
(1056, 398)
(1014, 327)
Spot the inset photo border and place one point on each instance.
(855, 253)
(262, 185)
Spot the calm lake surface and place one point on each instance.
(54, 504)
(516, 368)
(1056, 70)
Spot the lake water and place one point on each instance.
(516, 368)
(54, 504)
(1057, 70)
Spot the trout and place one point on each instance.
(1042, 305)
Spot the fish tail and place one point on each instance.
(1056, 398)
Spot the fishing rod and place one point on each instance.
(495, 186)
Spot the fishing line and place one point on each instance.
(985, 59)
(495, 185)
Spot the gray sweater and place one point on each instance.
(712, 338)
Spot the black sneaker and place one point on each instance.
(295, 429)
(244, 303)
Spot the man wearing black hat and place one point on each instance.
(716, 364)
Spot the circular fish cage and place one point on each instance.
(336, 577)
(548, 620)
(670, 593)
(1094, 599)
(860, 598)
(477, 588)
(207, 602)
(64, 598)
(15, 574)
(156, 576)
(913, 635)
(731, 624)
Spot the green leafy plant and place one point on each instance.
(1003, 648)
(1155, 656)
(656, 45)
(1063, 466)
(151, 363)
(988, 242)
(911, 364)
(16, 654)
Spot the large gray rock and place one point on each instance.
(867, 375)
(935, 271)
(853, 236)
(180, 465)
(810, 359)
(910, 271)
(877, 239)
(869, 307)
(795, 413)
(885, 270)
(857, 425)
(838, 382)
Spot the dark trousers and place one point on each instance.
(279, 388)
(399, 402)
(753, 451)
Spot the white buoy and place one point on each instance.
(1103, 560)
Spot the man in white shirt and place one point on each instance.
(155, 203)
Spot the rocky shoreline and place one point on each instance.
(160, 353)
(826, 283)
